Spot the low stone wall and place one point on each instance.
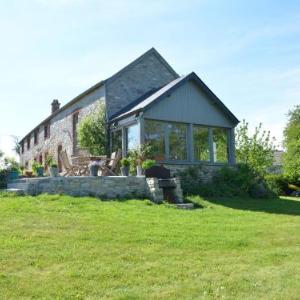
(112, 187)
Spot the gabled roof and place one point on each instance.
(156, 96)
(99, 84)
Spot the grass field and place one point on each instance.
(57, 247)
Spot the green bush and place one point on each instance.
(278, 183)
(148, 163)
(241, 180)
(3, 179)
(125, 162)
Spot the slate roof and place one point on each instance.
(102, 82)
(147, 101)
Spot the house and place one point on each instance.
(147, 101)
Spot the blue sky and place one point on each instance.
(247, 52)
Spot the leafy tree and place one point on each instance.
(291, 158)
(256, 150)
(92, 131)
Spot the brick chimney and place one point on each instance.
(55, 106)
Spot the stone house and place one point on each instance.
(147, 101)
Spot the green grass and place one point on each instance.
(58, 247)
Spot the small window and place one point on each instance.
(22, 148)
(28, 143)
(41, 159)
(47, 131)
(36, 137)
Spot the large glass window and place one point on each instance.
(116, 140)
(177, 141)
(155, 136)
(220, 144)
(201, 143)
(132, 137)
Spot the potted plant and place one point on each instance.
(38, 169)
(53, 167)
(138, 156)
(94, 168)
(148, 163)
(13, 168)
(125, 163)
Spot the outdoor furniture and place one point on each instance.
(70, 170)
(83, 162)
(110, 167)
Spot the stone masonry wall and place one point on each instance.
(147, 74)
(61, 129)
(112, 187)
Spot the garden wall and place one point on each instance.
(111, 187)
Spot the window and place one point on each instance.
(155, 136)
(36, 137)
(132, 137)
(116, 140)
(177, 141)
(47, 131)
(201, 143)
(220, 144)
(22, 148)
(28, 143)
(41, 159)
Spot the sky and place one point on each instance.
(247, 52)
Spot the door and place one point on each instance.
(59, 150)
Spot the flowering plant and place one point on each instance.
(95, 163)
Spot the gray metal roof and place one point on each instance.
(164, 91)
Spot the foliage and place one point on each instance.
(3, 179)
(92, 131)
(291, 158)
(59, 247)
(257, 150)
(240, 180)
(148, 163)
(36, 166)
(138, 155)
(11, 164)
(17, 146)
(125, 162)
(278, 183)
(50, 162)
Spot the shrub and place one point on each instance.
(241, 181)
(3, 179)
(278, 184)
(125, 162)
(148, 163)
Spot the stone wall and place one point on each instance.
(111, 187)
(61, 129)
(207, 171)
(145, 74)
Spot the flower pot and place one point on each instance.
(53, 172)
(13, 175)
(139, 171)
(40, 172)
(94, 170)
(125, 171)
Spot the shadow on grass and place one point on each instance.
(272, 206)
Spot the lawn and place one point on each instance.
(58, 247)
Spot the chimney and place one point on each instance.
(55, 106)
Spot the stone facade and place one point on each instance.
(112, 187)
(61, 129)
(149, 72)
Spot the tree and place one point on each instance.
(256, 150)
(291, 158)
(92, 131)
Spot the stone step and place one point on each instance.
(15, 191)
(184, 205)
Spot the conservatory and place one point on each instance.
(184, 122)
